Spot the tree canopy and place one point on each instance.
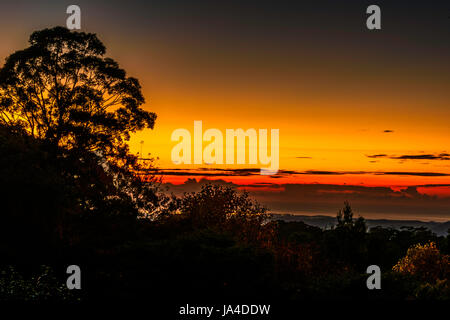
(62, 89)
(66, 114)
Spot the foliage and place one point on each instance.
(345, 220)
(346, 243)
(223, 208)
(61, 89)
(35, 197)
(66, 114)
(440, 290)
(40, 287)
(425, 262)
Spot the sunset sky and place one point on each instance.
(363, 115)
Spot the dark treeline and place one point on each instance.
(73, 194)
(215, 244)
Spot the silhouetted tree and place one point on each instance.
(225, 209)
(345, 220)
(63, 90)
(71, 111)
(35, 197)
(346, 243)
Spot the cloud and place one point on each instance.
(442, 156)
(388, 131)
(377, 156)
(439, 156)
(321, 172)
(397, 173)
(419, 174)
(245, 172)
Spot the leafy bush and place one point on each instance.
(425, 262)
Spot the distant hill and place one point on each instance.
(440, 228)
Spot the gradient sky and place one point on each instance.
(363, 115)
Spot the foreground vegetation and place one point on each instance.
(216, 244)
(73, 194)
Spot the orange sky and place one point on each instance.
(330, 86)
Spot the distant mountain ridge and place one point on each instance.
(440, 228)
